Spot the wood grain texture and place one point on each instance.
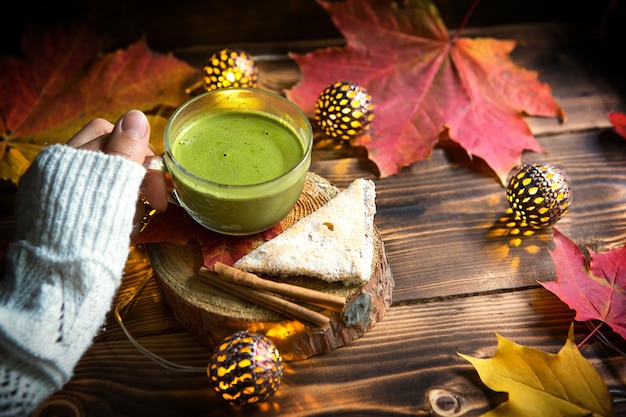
(460, 277)
(211, 314)
(406, 365)
(445, 204)
(585, 74)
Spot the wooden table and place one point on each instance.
(459, 279)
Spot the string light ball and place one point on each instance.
(344, 110)
(539, 194)
(245, 369)
(230, 68)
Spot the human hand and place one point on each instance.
(130, 138)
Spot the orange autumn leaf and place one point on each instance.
(543, 384)
(63, 80)
(425, 85)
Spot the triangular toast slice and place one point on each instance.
(334, 243)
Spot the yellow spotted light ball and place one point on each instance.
(344, 110)
(230, 68)
(245, 369)
(539, 194)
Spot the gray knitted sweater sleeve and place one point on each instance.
(74, 215)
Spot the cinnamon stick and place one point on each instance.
(318, 298)
(265, 299)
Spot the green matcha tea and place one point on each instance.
(237, 148)
(238, 171)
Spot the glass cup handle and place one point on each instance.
(156, 163)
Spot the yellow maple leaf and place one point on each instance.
(543, 384)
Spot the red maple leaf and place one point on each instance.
(424, 84)
(618, 120)
(596, 290)
(176, 226)
(64, 79)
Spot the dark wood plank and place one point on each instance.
(460, 278)
(172, 25)
(7, 208)
(147, 314)
(406, 365)
(441, 218)
(585, 74)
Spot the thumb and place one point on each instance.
(130, 137)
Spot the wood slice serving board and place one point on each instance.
(210, 314)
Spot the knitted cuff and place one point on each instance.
(74, 215)
(80, 201)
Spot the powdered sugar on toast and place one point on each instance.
(334, 243)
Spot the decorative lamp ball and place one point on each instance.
(539, 194)
(245, 369)
(230, 68)
(344, 110)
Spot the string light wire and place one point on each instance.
(119, 308)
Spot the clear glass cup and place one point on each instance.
(241, 201)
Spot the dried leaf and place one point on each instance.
(424, 84)
(543, 384)
(596, 290)
(177, 227)
(63, 81)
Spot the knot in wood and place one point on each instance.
(444, 403)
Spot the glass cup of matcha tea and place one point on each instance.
(238, 158)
